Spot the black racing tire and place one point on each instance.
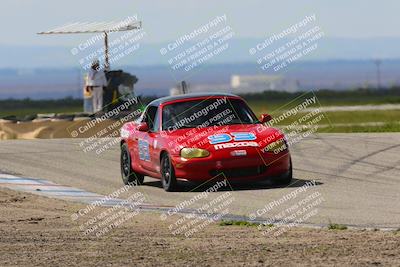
(168, 178)
(129, 176)
(286, 178)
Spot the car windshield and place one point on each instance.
(206, 112)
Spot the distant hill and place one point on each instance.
(42, 83)
(148, 54)
(338, 63)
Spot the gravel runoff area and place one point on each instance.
(38, 231)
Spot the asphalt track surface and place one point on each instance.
(357, 176)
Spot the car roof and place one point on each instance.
(166, 99)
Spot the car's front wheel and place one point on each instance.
(129, 176)
(168, 178)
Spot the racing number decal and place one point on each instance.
(237, 136)
(243, 136)
(219, 138)
(144, 151)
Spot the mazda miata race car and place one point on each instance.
(199, 137)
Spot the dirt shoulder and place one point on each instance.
(37, 231)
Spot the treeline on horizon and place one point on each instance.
(27, 103)
(325, 96)
(328, 96)
(47, 104)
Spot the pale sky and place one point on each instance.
(166, 20)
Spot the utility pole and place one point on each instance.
(184, 87)
(378, 72)
(106, 56)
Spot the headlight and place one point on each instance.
(189, 153)
(276, 147)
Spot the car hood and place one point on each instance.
(249, 134)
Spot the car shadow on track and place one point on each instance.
(235, 186)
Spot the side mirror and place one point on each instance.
(143, 127)
(265, 118)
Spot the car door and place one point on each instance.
(147, 141)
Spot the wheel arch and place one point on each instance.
(122, 142)
(162, 153)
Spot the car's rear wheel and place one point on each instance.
(285, 178)
(168, 178)
(129, 176)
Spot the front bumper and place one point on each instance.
(258, 166)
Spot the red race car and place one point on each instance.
(199, 137)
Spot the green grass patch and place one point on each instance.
(387, 116)
(386, 128)
(23, 107)
(390, 120)
(329, 97)
(21, 113)
(267, 102)
(337, 226)
(364, 116)
(276, 103)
